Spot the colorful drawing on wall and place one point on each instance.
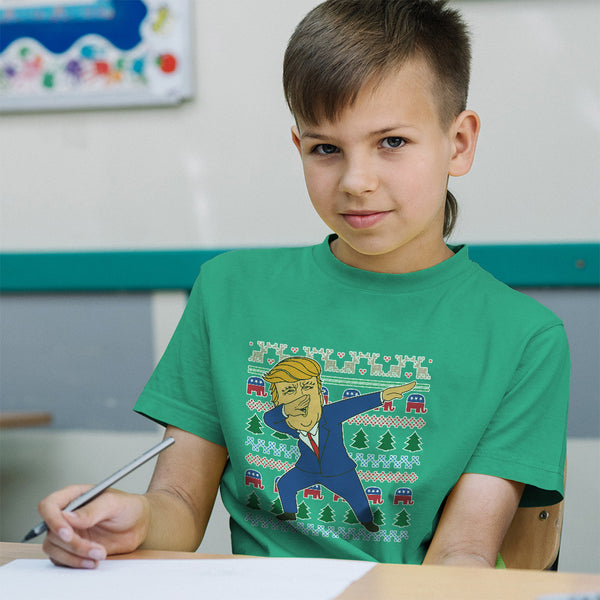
(94, 53)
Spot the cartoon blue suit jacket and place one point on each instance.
(333, 457)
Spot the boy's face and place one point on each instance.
(377, 175)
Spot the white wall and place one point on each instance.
(220, 171)
(536, 86)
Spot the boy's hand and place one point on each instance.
(397, 391)
(113, 523)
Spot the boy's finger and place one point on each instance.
(72, 556)
(103, 508)
(51, 507)
(74, 552)
(86, 516)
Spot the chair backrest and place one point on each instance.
(533, 538)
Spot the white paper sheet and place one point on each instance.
(224, 579)
(573, 596)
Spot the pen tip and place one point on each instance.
(30, 535)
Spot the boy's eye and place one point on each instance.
(393, 142)
(325, 149)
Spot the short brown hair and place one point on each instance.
(341, 45)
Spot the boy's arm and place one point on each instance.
(475, 519)
(172, 515)
(182, 492)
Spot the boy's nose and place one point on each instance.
(358, 178)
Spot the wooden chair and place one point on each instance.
(533, 538)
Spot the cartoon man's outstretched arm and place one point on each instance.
(397, 391)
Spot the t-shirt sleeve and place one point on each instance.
(180, 392)
(526, 439)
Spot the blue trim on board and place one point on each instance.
(529, 265)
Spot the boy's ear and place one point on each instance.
(464, 131)
(296, 138)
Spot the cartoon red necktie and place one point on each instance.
(312, 443)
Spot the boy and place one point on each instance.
(378, 91)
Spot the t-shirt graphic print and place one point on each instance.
(333, 438)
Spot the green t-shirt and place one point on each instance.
(491, 374)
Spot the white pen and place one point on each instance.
(103, 485)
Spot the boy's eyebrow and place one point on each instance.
(310, 134)
(317, 135)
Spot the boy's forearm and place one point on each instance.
(458, 559)
(172, 524)
(182, 492)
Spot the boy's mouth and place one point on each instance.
(363, 220)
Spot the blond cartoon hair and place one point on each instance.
(290, 370)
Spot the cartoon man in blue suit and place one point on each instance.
(300, 413)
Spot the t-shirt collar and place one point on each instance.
(457, 266)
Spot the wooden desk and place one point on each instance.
(24, 419)
(385, 582)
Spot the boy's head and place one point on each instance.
(342, 46)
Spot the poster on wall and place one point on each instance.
(65, 54)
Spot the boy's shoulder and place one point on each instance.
(515, 304)
(245, 257)
(256, 266)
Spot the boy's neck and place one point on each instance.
(403, 260)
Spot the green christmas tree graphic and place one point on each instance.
(350, 517)
(254, 425)
(413, 443)
(402, 519)
(253, 501)
(386, 442)
(327, 515)
(276, 507)
(378, 517)
(359, 441)
(303, 512)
